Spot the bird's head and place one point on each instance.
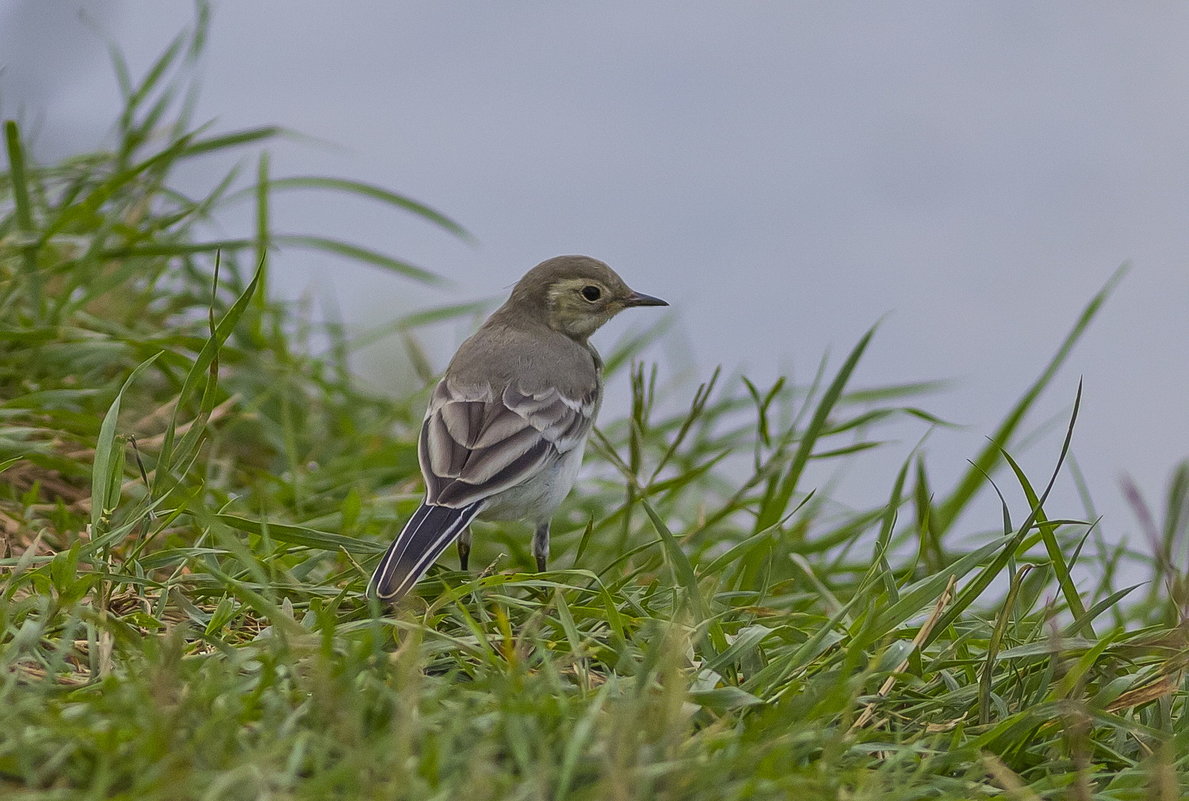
(575, 295)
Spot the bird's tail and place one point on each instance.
(429, 531)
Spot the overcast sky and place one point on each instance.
(785, 174)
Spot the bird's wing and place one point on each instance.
(479, 441)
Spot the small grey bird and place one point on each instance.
(506, 427)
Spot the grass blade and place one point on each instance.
(774, 507)
(104, 480)
(984, 463)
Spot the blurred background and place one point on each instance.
(786, 175)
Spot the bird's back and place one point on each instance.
(530, 356)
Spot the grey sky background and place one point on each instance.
(785, 174)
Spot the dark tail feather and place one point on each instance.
(429, 531)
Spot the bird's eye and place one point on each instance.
(591, 293)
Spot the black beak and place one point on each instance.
(640, 299)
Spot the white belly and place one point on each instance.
(536, 499)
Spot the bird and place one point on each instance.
(506, 426)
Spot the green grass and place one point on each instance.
(193, 487)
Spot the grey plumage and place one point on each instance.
(507, 425)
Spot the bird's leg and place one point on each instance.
(541, 546)
(464, 548)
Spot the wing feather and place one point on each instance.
(476, 441)
(499, 425)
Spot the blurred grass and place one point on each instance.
(193, 487)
